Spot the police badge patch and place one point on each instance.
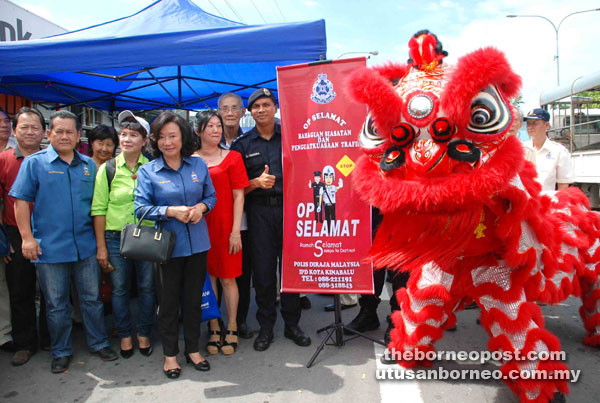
(322, 90)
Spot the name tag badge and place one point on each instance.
(56, 172)
(163, 182)
(252, 155)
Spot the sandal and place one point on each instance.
(229, 348)
(213, 346)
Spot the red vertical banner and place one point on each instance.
(327, 228)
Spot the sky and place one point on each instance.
(387, 25)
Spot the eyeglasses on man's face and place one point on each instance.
(227, 109)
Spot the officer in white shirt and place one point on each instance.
(552, 160)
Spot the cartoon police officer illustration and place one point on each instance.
(329, 191)
(317, 187)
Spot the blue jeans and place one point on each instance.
(55, 280)
(121, 289)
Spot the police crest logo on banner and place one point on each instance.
(322, 90)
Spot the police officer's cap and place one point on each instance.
(317, 173)
(261, 93)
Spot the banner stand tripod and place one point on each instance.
(335, 332)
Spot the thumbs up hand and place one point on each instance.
(266, 180)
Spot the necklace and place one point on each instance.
(133, 172)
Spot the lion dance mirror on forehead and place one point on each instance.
(464, 214)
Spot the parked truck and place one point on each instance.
(575, 122)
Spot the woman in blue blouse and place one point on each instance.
(177, 190)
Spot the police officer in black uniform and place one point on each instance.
(316, 187)
(261, 151)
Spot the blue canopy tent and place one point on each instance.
(169, 55)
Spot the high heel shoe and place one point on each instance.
(213, 346)
(229, 348)
(127, 353)
(146, 351)
(201, 366)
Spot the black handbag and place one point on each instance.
(146, 243)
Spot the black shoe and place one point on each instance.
(364, 322)
(172, 373)
(244, 331)
(331, 307)
(472, 306)
(126, 353)
(296, 334)
(558, 398)
(60, 364)
(106, 354)
(45, 346)
(263, 340)
(452, 329)
(146, 351)
(305, 302)
(201, 366)
(387, 336)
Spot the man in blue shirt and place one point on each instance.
(60, 236)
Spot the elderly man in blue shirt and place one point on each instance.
(60, 236)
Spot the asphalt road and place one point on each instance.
(340, 374)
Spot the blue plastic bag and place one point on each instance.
(4, 242)
(210, 308)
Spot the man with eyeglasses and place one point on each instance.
(552, 160)
(231, 109)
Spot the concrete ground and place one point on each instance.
(345, 374)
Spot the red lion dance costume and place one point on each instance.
(463, 213)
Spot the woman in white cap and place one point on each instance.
(113, 208)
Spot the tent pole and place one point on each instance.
(179, 85)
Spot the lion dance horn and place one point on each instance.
(425, 51)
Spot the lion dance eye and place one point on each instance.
(442, 130)
(369, 138)
(403, 134)
(480, 115)
(489, 112)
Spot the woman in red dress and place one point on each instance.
(229, 178)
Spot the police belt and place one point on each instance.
(267, 200)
